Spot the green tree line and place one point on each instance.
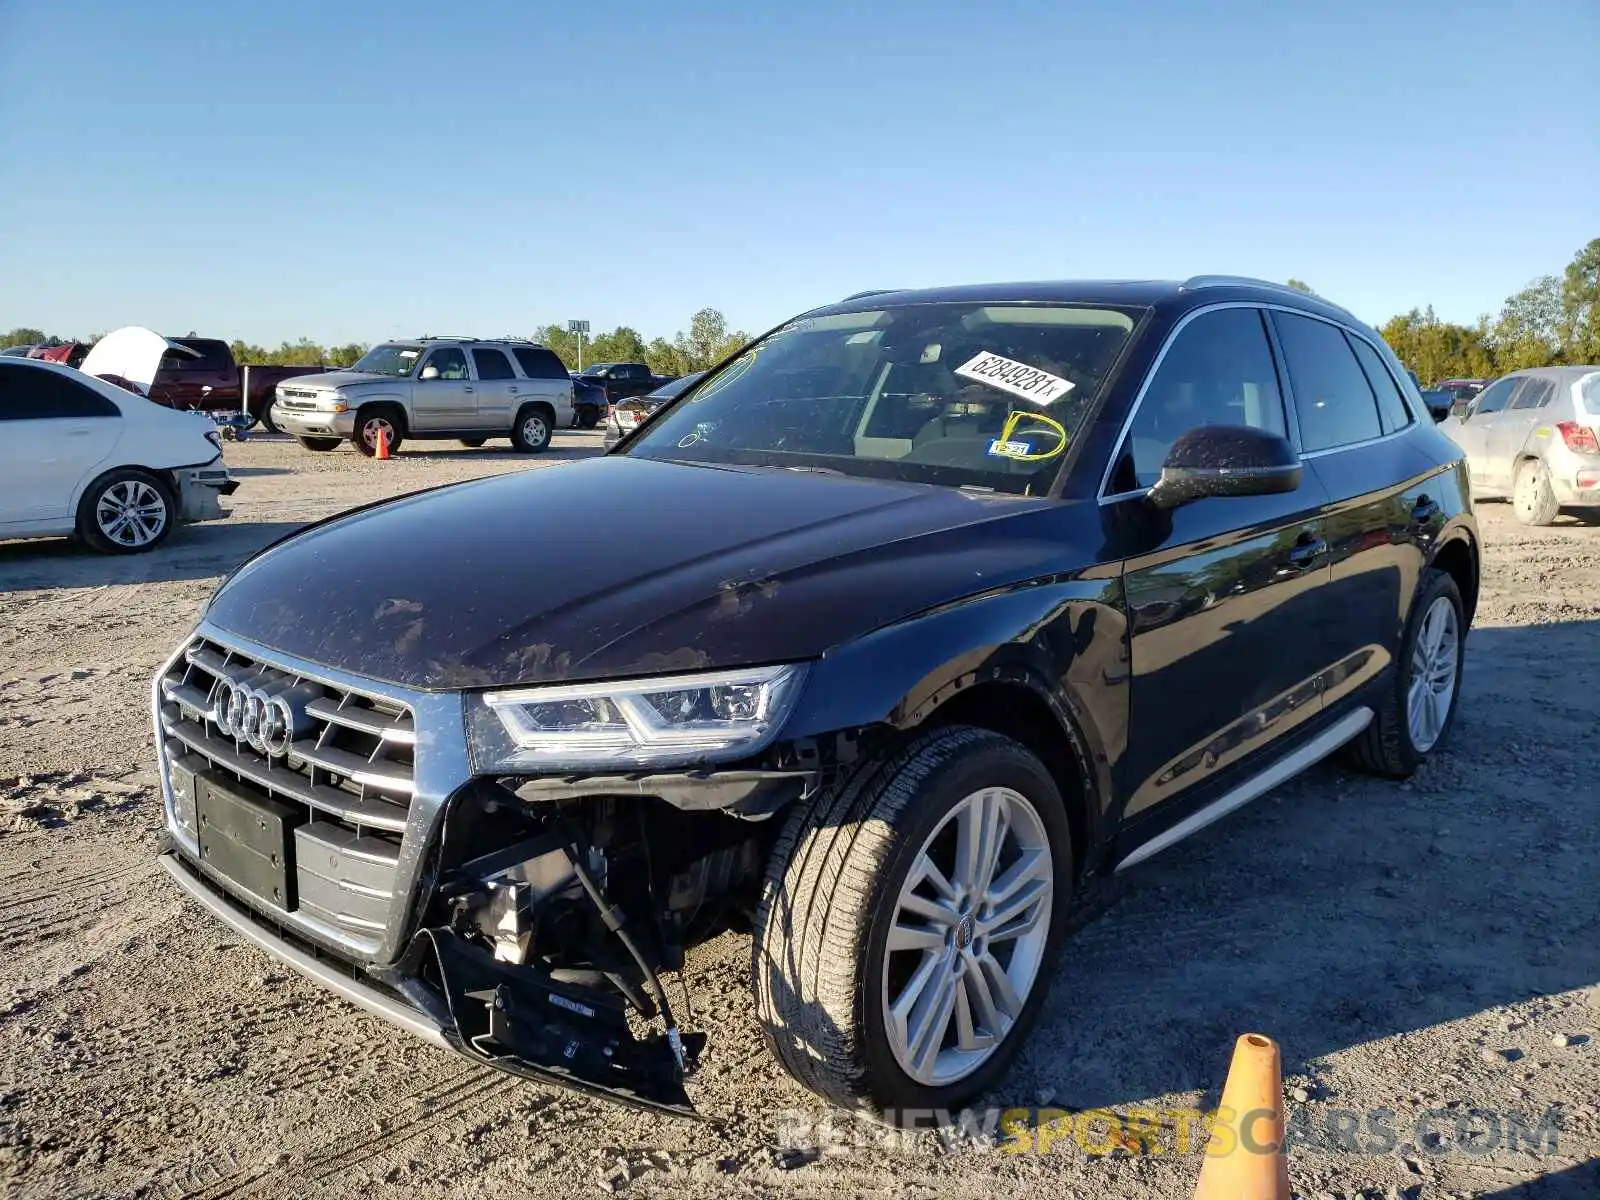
(1554, 320)
(707, 341)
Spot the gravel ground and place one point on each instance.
(1427, 946)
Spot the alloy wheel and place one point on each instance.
(131, 512)
(970, 926)
(1434, 662)
(535, 432)
(375, 425)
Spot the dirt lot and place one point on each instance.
(1430, 946)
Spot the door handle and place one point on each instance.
(1425, 510)
(1306, 552)
(468, 388)
(77, 433)
(512, 389)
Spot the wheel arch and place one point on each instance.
(1006, 662)
(546, 406)
(1021, 708)
(1457, 556)
(393, 403)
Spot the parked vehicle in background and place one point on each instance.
(1462, 389)
(68, 353)
(209, 378)
(588, 401)
(23, 351)
(1534, 436)
(465, 389)
(623, 379)
(1439, 400)
(933, 609)
(626, 415)
(80, 455)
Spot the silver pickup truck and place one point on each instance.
(466, 389)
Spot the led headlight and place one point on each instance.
(678, 720)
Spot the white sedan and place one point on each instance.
(79, 455)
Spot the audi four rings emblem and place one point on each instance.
(262, 711)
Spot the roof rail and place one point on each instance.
(1195, 282)
(869, 292)
(447, 337)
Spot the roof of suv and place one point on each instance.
(1144, 293)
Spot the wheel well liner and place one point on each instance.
(1458, 558)
(1014, 709)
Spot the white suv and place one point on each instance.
(462, 388)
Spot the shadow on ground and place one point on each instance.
(192, 552)
(1340, 909)
(1581, 1182)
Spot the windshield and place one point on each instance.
(395, 361)
(979, 395)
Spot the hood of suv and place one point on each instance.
(338, 379)
(673, 568)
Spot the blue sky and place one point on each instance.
(347, 170)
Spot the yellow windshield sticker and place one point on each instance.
(1029, 437)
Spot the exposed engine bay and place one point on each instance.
(550, 925)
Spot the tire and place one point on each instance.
(126, 511)
(824, 975)
(267, 423)
(1390, 745)
(1531, 495)
(531, 433)
(588, 416)
(473, 443)
(368, 421)
(319, 444)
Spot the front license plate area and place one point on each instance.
(248, 839)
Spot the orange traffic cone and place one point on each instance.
(383, 444)
(1244, 1156)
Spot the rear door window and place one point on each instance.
(1218, 371)
(29, 394)
(1534, 393)
(492, 365)
(1392, 410)
(1494, 397)
(1332, 397)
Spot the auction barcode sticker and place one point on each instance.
(1032, 384)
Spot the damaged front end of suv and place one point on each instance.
(561, 877)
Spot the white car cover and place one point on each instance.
(132, 353)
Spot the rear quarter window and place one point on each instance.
(538, 363)
(1392, 410)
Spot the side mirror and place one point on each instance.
(429, 372)
(1226, 460)
(1461, 409)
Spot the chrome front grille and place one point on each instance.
(296, 394)
(345, 760)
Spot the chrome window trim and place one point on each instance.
(1291, 415)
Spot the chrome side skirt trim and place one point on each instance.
(1318, 748)
(368, 999)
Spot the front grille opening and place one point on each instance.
(343, 760)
